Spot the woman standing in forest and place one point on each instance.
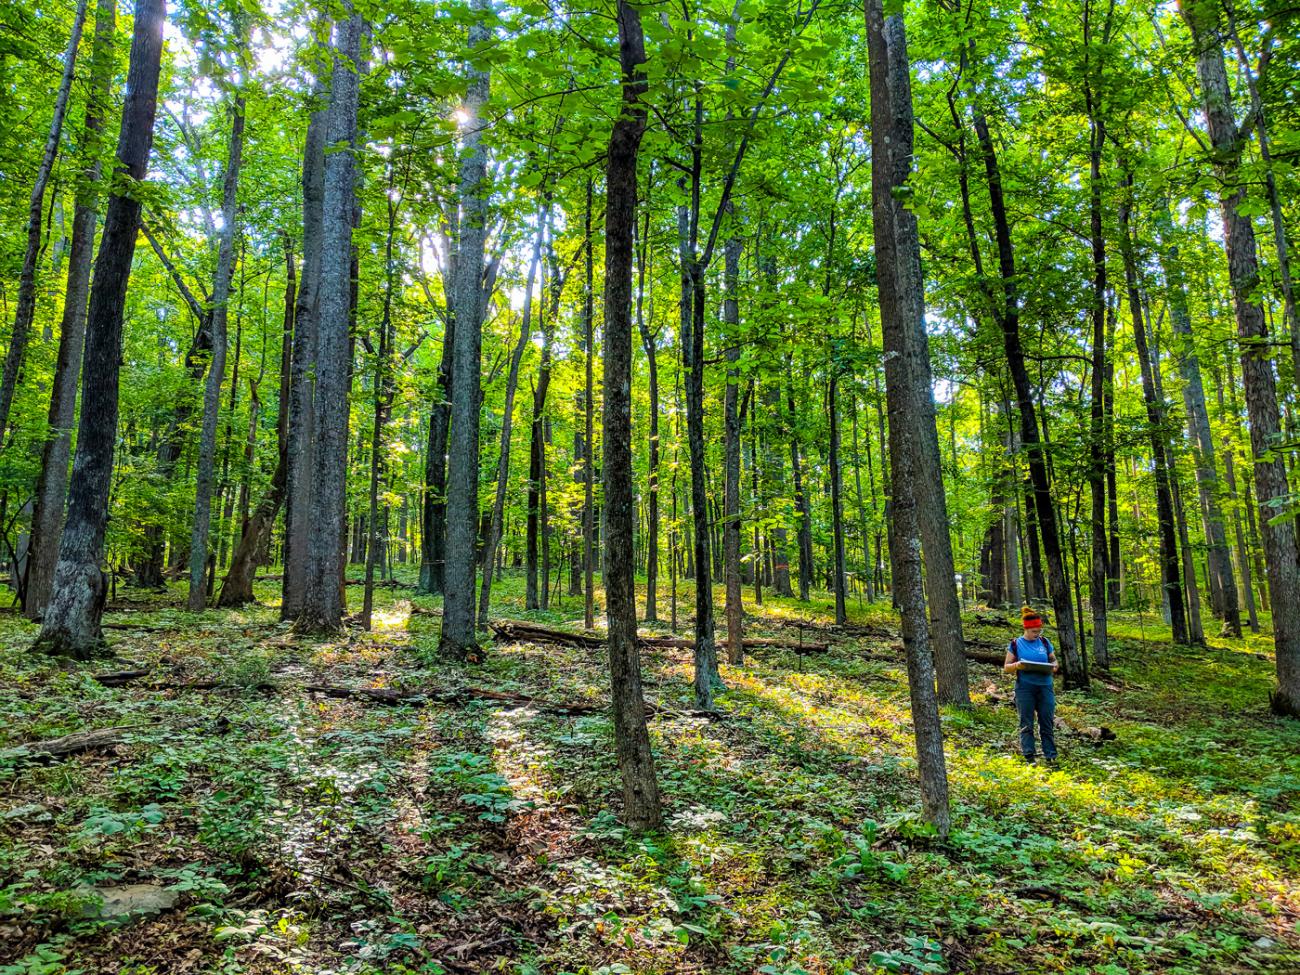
(1032, 658)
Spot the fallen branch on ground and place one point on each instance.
(73, 744)
(1096, 734)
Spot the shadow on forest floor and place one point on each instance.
(294, 832)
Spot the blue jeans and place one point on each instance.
(1040, 700)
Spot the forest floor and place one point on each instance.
(278, 830)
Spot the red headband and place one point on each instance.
(1033, 622)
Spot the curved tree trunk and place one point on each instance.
(56, 454)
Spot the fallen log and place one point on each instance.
(73, 744)
(119, 677)
(394, 697)
(972, 653)
(530, 632)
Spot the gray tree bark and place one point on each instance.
(458, 639)
(1223, 583)
(302, 381)
(322, 597)
(898, 273)
(1282, 558)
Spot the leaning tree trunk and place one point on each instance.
(1009, 319)
(641, 805)
(217, 367)
(507, 425)
(1271, 487)
(25, 310)
(322, 596)
(72, 620)
(458, 640)
(56, 454)
(237, 587)
(898, 274)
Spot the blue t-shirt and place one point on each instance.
(1032, 651)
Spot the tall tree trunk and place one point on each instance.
(1282, 558)
(735, 609)
(507, 424)
(71, 624)
(802, 509)
(56, 453)
(458, 640)
(537, 528)
(383, 402)
(217, 368)
(302, 383)
(322, 598)
(641, 803)
(652, 364)
(1198, 423)
(837, 500)
(774, 475)
(237, 587)
(588, 410)
(902, 310)
(1097, 590)
(25, 310)
(1169, 568)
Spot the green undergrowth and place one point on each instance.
(313, 834)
